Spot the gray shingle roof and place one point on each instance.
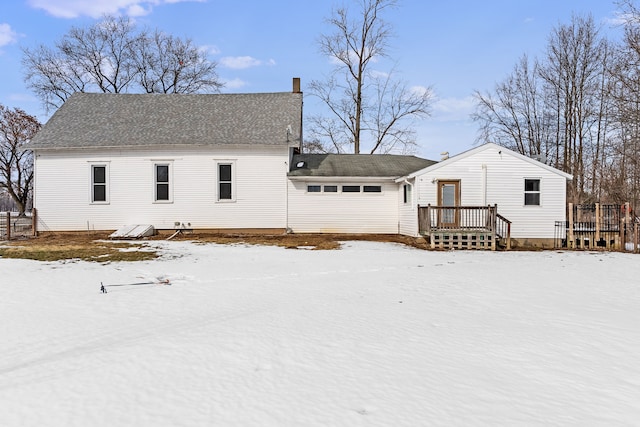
(356, 165)
(135, 120)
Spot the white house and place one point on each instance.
(215, 161)
(528, 193)
(233, 162)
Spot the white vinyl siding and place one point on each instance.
(260, 190)
(407, 210)
(343, 212)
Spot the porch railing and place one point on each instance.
(486, 219)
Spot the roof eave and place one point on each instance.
(341, 178)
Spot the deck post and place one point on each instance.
(8, 227)
(34, 222)
(627, 222)
(570, 241)
(494, 223)
(432, 241)
(598, 213)
(624, 220)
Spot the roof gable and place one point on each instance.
(138, 120)
(487, 146)
(355, 165)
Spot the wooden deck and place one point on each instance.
(593, 226)
(464, 227)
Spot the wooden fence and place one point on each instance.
(13, 226)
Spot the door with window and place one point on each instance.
(448, 195)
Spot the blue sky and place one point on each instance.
(455, 47)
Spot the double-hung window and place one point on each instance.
(531, 192)
(226, 181)
(162, 182)
(99, 183)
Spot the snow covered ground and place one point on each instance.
(374, 334)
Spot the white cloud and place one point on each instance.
(98, 8)
(138, 10)
(209, 50)
(421, 90)
(7, 35)
(453, 109)
(233, 84)
(242, 62)
(619, 18)
(377, 74)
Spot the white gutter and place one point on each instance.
(308, 178)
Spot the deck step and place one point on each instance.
(462, 240)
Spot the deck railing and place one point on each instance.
(485, 219)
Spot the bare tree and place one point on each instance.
(362, 102)
(559, 107)
(624, 179)
(572, 70)
(112, 56)
(16, 164)
(587, 96)
(167, 64)
(514, 114)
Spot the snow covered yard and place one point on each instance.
(374, 334)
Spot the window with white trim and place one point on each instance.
(531, 192)
(99, 183)
(226, 181)
(345, 189)
(406, 189)
(350, 188)
(162, 182)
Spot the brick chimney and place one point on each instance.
(296, 85)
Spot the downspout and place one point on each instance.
(484, 184)
(287, 230)
(34, 182)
